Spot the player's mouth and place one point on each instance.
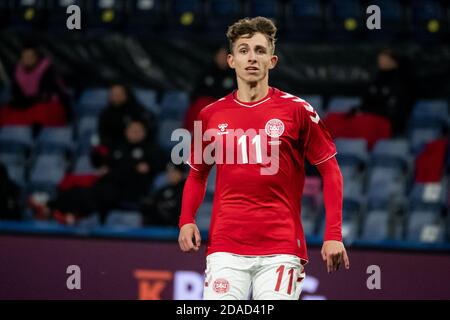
(250, 69)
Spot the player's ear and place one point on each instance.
(230, 60)
(273, 61)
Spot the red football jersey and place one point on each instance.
(259, 149)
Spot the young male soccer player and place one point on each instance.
(256, 241)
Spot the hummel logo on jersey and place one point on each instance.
(222, 128)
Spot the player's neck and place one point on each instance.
(251, 92)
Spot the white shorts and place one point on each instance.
(235, 277)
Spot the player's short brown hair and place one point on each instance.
(249, 26)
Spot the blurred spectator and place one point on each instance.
(10, 208)
(124, 181)
(217, 81)
(164, 207)
(390, 95)
(123, 108)
(38, 95)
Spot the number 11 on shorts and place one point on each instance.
(280, 272)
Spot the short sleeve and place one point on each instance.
(318, 143)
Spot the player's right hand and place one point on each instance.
(189, 238)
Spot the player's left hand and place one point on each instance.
(334, 253)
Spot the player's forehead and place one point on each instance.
(257, 39)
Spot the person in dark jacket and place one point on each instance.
(122, 108)
(390, 95)
(164, 206)
(10, 207)
(127, 179)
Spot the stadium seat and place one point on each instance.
(186, 15)
(18, 135)
(375, 226)
(351, 151)
(88, 140)
(431, 108)
(122, 218)
(423, 226)
(264, 8)
(83, 165)
(203, 217)
(315, 101)
(221, 13)
(55, 140)
(166, 128)
(92, 101)
(86, 124)
(16, 172)
(48, 169)
(30, 13)
(392, 25)
(105, 15)
(386, 187)
(57, 13)
(304, 19)
(174, 105)
(146, 16)
(343, 104)
(419, 137)
(391, 152)
(427, 196)
(89, 222)
(345, 20)
(428, 20)
(147, 98)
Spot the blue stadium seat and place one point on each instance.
(203, 217)
(86, 124)
(426, 227)
(105, 15)
(146, 16)
(28, 13)
(18, 135)
(315, 101)
(264, 8)
(386, 187)
(166, 128)
(186, 14)
(55, 140)
(304, 19)
(57, 16)
(89, 222)
(343, 104)
(419, 137)
(346, 20)
(427, 19)
(429, 196)
(391, 21)
(83, 165)
(92, 101)
(147, 98)
(16, 172)
(221, 13)
(430, 108)
(375, 226)
(351, 151)
(309, 226)
(87, 141)
(391, 152)
(174, 105)
(48, 169)
(122, 218)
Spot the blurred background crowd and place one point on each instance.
(86, 115)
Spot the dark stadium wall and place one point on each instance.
(38, 268)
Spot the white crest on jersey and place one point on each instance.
(274, 128)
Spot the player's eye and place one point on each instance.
(243, 51)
